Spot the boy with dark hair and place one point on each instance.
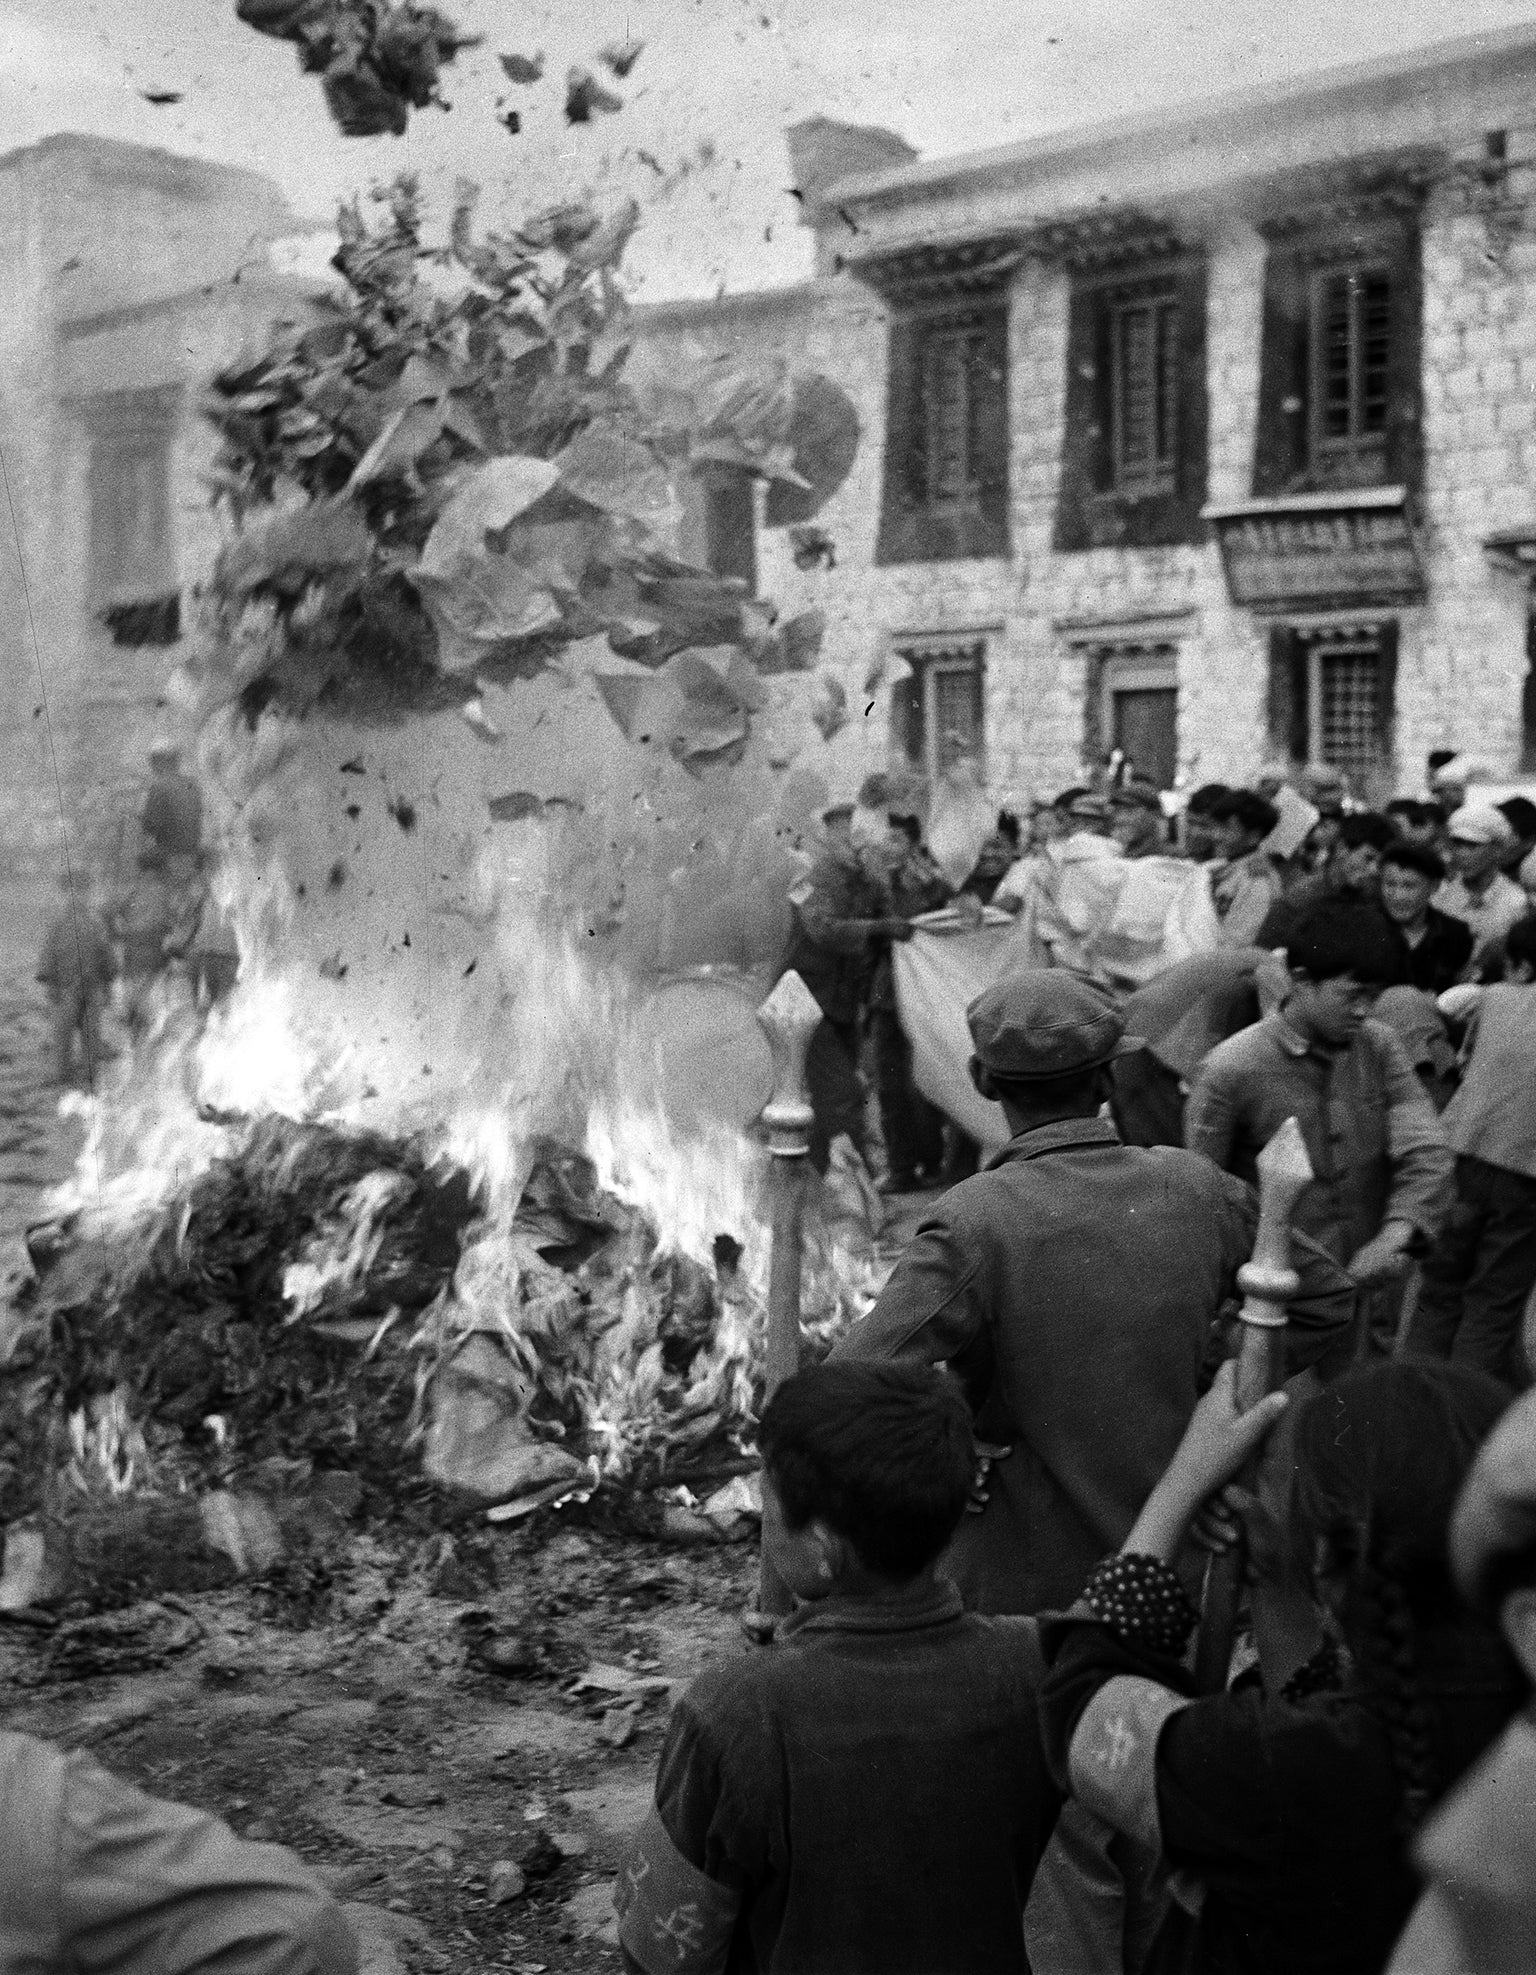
(1482, 1270)
(1438, 946)
(869, 1794)
(1381, 1164)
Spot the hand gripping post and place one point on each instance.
(1268, 1281)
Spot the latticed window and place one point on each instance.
(1351, 355)
(1144, 398)
(952, 408)
(1346, 703)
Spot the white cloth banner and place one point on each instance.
(1123, 920)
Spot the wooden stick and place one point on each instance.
(789, 1018)
(1268, 1281)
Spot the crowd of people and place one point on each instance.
(1417, 915)
(124, 932)
(989, 1736)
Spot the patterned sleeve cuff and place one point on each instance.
(1142, 1601)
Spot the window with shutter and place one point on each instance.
(1144, 394)
(1340, 375)
(946, 455)
(1351, 359)
(950, 364)
(1133, 467)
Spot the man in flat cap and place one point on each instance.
(1071, 1286)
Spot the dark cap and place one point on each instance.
(1048, 1022)
(1135, 795)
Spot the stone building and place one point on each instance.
(1208, 435)
(132, 275)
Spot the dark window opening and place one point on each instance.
(938, 711)
(133, 557)
(730, 526)
(1133, 468)
(1340, 386)
(156, 621)
(954, 399)
(945, 492)
(1144, 394)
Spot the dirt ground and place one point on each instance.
(358, 1721)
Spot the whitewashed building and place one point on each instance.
(131, 276)
(1210, 435)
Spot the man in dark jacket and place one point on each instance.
(1072, 1286)
(841, 911)
(1439, 947)
(913, 1128)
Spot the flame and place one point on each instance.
(477, 1025)
(107, 1451)
(344, 1252)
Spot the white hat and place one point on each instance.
(1481, 823)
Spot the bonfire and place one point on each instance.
(447, 1187)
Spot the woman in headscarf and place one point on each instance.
(1285, 1814)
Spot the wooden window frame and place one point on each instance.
(1160, 476)
(1304, 252)
(961, 655)
(1298, 650)
(1359, 452)
(969, 341)
(1319, 649)
(1098, 504)
(1131, 661)
(918, 523)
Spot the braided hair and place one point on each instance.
(1381, 1456)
